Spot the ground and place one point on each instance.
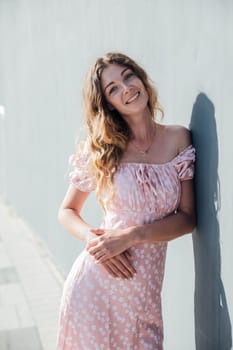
(30, 287)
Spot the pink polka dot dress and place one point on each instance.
(98, 311)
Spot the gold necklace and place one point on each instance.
(144, 153)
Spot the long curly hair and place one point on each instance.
(108, 132)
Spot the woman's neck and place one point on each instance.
(142, 127)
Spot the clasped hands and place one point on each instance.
(110, 248)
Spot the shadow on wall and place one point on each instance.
(212, 320)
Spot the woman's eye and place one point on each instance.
(113, 89)
(129, 75)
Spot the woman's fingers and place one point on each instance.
(120, 266)
(97, 231)
(126, 263)
(99, 256)
(91, 244)
(126, 272)
(127, 253)
(102, 256)
(119, 269)
(107, 266)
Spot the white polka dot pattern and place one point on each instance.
(99, 311)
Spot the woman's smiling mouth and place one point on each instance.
(133, 98)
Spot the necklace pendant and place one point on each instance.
(143, 153)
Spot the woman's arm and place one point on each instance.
(69, 214)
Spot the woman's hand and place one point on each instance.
(110, 243)
(120, 266)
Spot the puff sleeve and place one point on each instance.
(184, 163)
(81, 174)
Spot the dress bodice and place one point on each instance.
(143, 192)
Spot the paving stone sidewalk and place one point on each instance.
(30, 287)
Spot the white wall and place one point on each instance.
(186, 47)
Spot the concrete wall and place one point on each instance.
(187, 48)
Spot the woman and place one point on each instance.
(142, 172)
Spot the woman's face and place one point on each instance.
(123, 90)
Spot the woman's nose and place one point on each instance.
(125, 88)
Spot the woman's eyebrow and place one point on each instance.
(125, 69)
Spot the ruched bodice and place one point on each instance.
(143, 191)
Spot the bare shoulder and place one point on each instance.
(179, 135)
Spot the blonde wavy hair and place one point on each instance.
(108, 132)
